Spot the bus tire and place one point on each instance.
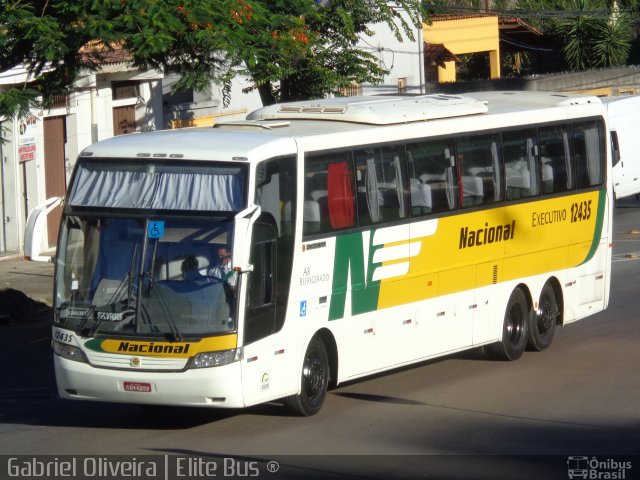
(514, 330)
(314, 381)
(543, 321)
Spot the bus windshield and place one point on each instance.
(145, 277)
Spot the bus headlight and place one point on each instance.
(216, 359)
(69, 352)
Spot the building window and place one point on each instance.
(124, 90)
(58, 101)
(353, 90)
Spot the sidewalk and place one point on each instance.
(34, 279)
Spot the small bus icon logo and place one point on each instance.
(578, 467)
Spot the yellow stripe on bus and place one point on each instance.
(480, 248)
(166, 349)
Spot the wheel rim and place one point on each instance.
(313, 374)
(546, 316)
(515, 324)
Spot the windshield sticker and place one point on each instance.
(155, 229)
(110, 316)
(69, 312)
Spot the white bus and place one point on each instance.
(623, 114)
(364, 233)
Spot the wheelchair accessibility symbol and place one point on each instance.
(155, 229)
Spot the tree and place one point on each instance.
(594, 40)
(50, 38)
(589, 33)
(323, 54)
(290, 48)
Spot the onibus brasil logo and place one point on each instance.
(594, 468)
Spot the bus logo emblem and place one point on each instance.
(135, 361)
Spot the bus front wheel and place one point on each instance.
(514, 330)
(314, 381)
(543, 321)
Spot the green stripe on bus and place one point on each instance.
(349, 257)
(602, 201)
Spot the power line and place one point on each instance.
(525, 46)
(530, 13)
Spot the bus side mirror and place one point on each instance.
(242, 238)
(35, 229)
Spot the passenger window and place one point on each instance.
(380, 180)
(588, 141)
(556, 159)
(520, 152)
(329, 202)
(479, 166)
(615, 148)
(275, 192)
(433, 183)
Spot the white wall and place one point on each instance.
(239, 100)
(212, 102)
(403, 59)
(9, 183)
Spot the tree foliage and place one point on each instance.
(327, 57)
(289, 48)
(595, 41)
(589, 33)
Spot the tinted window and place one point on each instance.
(329, 202)
(521, 165)
(480, 172)
(380, 180)
(556, 159)
(589, 147)
(433, 182)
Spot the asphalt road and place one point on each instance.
(458, 417)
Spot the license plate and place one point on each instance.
(137, 387)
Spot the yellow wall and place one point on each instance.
(206, 121)
(466, 35)
(608, 91)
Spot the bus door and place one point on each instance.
(268, 366)
(260, 314)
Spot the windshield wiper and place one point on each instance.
(124, 287)
(174, 334)
(116, 297)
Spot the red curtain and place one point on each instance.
(340, 192)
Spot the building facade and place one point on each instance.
(38, 151)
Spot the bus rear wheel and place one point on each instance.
(314, 381)
(543, 321)
(514, 330)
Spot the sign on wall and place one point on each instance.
(27, 152)
(28, 130)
